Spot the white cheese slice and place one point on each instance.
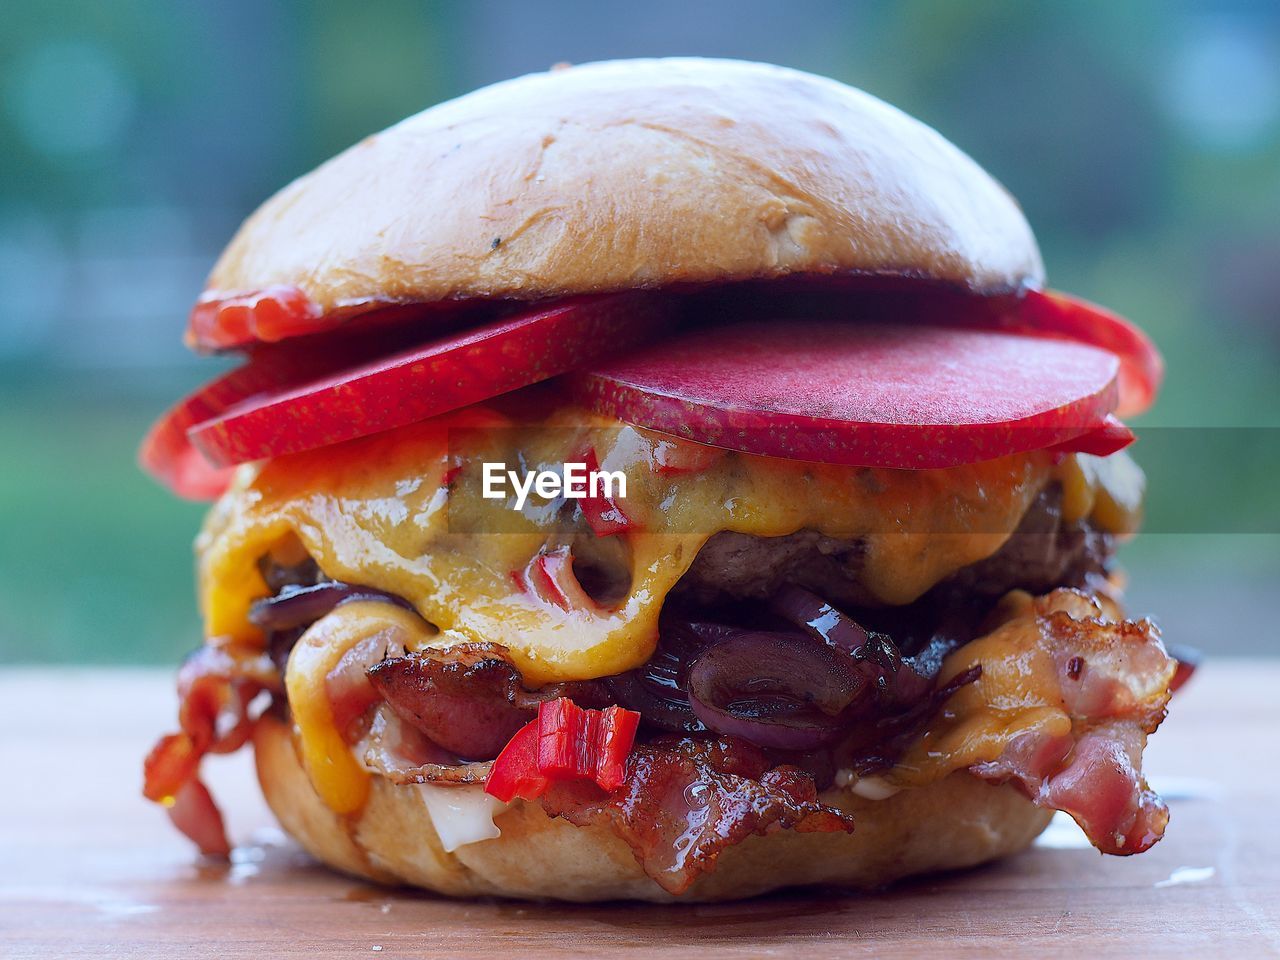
(461, 815)
(869, 788)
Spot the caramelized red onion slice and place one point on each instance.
(815, 616)
(298, 606)
(780, 689)
(666, 708)
(877, 656)
(776, 690)
(657, 689)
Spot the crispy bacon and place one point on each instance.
(403, 754)
(1102, 788)
(467, 698)
(1115, 681)
(193, 812)
(172, 763)
(1109, 670)
(216, 686)
(687, 800)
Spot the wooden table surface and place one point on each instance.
(90, 869)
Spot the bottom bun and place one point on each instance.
(957, 822)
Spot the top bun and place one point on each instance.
(634, 173)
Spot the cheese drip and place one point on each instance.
(380, 512)
(330, 764)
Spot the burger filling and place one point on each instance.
(776, 629)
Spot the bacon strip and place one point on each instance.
(195, 814)
(400, 752)
(468, 698)
(1114, 682)
(1102, 788)
(215, 688)
(686, 801)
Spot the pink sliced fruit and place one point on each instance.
(434, 378)
(1110, 437)
(166, 452)
(1141, 366)
(299, 397)
(602, 511)
(907, 396)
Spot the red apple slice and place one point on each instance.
(906, 396)
(294, 398)
(1032, 312)
(168, 455)
(424, 381)
(1141, 366)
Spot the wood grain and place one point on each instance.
(90, 869)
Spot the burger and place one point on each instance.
(661, 479)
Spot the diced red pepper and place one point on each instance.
(549, 577)
(540, 578)
(672, 456)
(546, 576)
(617, 736)
(565, 742)
(515, 772)
(603, 513)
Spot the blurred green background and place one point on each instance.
(1143, 139)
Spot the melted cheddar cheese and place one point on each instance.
(393, 512)
(1018, 692)
(339, 779)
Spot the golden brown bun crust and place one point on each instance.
(634, 173)
(957, 822)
